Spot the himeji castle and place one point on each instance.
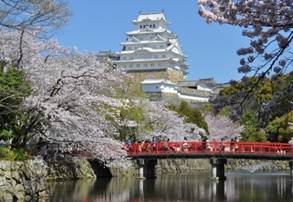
(152, 51)
(153, 56)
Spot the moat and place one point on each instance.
(238, 187)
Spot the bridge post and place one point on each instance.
(291, 167)
(147, 168)
(218, 168)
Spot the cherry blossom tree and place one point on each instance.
(221, 127)
(30, 15)
(39, 18)
(269, 25)
(169, 124)
(70, 90)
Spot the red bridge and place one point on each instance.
(198, 149)
(147, 153)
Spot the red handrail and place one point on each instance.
(209, 147)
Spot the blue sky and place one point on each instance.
(211, 48)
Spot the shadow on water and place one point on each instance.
(237, 187)
(99, 168)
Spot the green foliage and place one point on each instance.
(129, 90)
(20, 155)
(6, 154)
(252, 131)
(269, 99)
(6, 135)
(120, 118)
(14, 88)
(13, 154)
(279, 129)
(249, 118)
(252, 134)
(207, 108)
(190, 115)
(225, 111)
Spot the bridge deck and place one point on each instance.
(213, 149)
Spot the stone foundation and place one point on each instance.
(182, 166)
(70, 169)
(268, 166)
(27, 180)
(192, 166)
(23, 180)
(167, 74)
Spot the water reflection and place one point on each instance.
(237, 187)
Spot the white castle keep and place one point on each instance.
(153, 56)
(153, 48)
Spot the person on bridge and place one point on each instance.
(166, 145)
(222, 146)
(185, 145)
(232, 145)
(204, 144)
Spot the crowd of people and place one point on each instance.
(164, 144)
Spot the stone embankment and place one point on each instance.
(27, 180)
(190, 166)
(22, 180)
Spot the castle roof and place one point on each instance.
(150, 17)
(155, 81)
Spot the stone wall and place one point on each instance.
(167, 74)
(182, 166)
(258, 165)
(22, 180)
(190, 166)
(27, 180)
(69, 169)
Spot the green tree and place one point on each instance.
(14, 88)
(279, 129)
(252, 131)
(190, 115)
(268, 98)
(128, 120)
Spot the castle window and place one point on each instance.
(145, 65)
(140, 26)
(152, 65)
(154, 25)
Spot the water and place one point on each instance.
(237, 187)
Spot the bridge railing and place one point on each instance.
(211, 147)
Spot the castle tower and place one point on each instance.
(152, 51)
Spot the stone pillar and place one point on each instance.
(147, 168)
(291, 167)
(218, 168)
(214, 170)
